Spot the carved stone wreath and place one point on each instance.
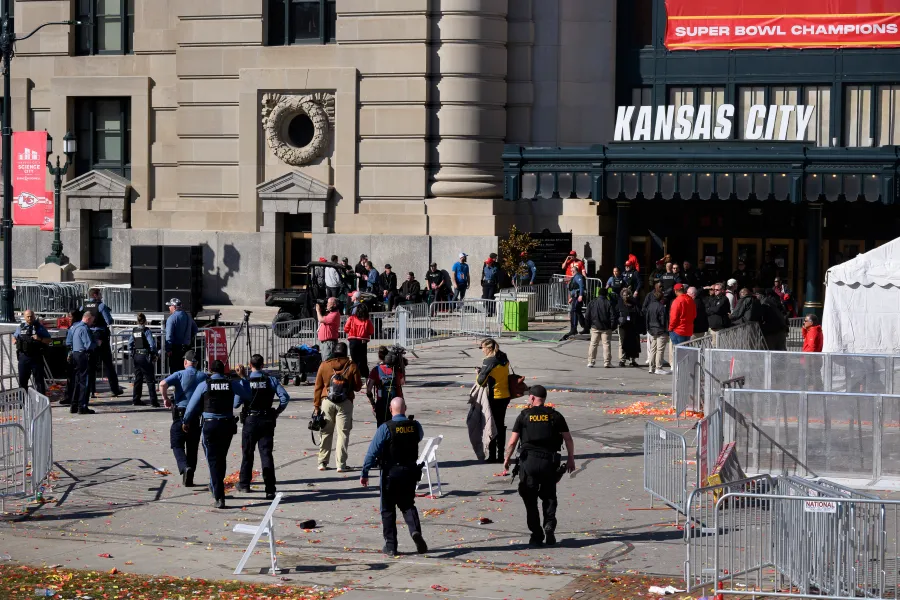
(277, 113)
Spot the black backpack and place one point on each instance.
(339, 386)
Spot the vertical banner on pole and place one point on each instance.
(32, 204)
(217, 346)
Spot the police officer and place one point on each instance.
(396, 447)
(102, 320)
(215, 397)
(184, 444)
(542, 431)
(30, 338)
(71, 380)
(82, 344)
(180, 333)
(142, 348)
(259, 424)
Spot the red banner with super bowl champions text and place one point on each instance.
(751, 24)
(32, 203)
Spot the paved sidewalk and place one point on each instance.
(109, 498)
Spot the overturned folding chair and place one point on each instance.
(267, 526)
(427, 459)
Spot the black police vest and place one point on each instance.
(539, 429)
(140, 340)
(263, 393)
(219, 397)
(630, 279)
(617, 283)
(26, 345)
(403, 444)
(93, 307)
(667, 280)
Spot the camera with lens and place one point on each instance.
(396, 358)
(316, 422)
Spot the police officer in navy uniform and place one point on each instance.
(215, 397)
(142, 348)
(30, 338)
(103, 355)
(259, 424)
(396, 447)
(82, 344)
(542, 431)
(184, 444)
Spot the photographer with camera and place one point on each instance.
(385, 381)
(259, 424)
(329, 327)
(31, 338)
(337, 382)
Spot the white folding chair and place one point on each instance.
(267, 526)
(429, 458)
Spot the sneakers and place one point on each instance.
(607, 366)
(662, 372)
(387, 550)
(345, 469)
(117, 393)
(590, 365)
(244, 489)
(323, 468)
(550, 540)
(621, 363)
(220, 502)
(270, 495)
(187, 478)
(421, 546)
(86, 411)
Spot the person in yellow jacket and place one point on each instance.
(494, 374)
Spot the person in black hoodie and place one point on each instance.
(747, 310)
(701, 322)
(718, 308)
(388, 284)
(656, 314)
(629, 329)
(774, 321)
(601, 318)
(494, 373)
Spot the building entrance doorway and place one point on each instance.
(297, 249)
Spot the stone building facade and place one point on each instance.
(271, 137)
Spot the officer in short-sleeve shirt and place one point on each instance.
(542, 431)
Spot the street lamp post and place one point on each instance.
(8, 40)
(70, 146)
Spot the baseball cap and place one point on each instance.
(679, 286)
(191, 356)
(463, 255)
(433, 264)
(388, 266)
(731, 282)
(539, 391)
(174, 302)
(573, 253)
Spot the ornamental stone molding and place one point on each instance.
(278, 112)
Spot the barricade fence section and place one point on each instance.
(795, 334)
(26, 450)
(49, 297)
(665, 466)
(709, 444)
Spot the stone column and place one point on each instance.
(469, 65)
(811, 303)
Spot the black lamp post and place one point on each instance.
(8, 40)
(70, 146)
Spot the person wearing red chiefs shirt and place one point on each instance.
(681, 316)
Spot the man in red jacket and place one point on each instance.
(681, 316)
(812, 334)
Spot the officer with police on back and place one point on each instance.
(142, 348)
(216, 398)
(30, 338)
(258, 418)
(103, 354)
(184, 444)
(542, 431)
(396, 447)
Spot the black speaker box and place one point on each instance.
(146, 256)
(182, 257)
(145, 278)
(146, 300)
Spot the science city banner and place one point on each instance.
(751, 24)
(32, 203)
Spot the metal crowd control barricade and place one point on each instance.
(709, 444)
(26, 443)
(45, 298)
(665, 466)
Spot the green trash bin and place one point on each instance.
(515, 315)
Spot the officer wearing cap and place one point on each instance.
(81, 343)
(216, 397)
(142, 348)
(396, 447)
(542, 431)
(103, 355)
(259, 424)
(30, 338)
(184, 444)
(180, 333)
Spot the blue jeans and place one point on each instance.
(677, 339)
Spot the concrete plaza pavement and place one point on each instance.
(110, 499)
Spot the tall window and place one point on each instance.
(818, 129)
(301, 22)
(872, 115)
(100, 242)
(697, 96)
(888, 115)
(104, 135)
(107, 27)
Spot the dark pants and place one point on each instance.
(391, 300)
(258, 431)
(489, 292)
(381, 409)
(185, 445)
(29, 366)
(71, 381)
(498, 409)
(176, 357)
(333, 292)
(144, 370)
(83, 365)
(576, 316)
(359, 354)
(217, 434)
(398, 490)
(459, 294)
(539, 481)
(103, 356)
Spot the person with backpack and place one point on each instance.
(385, 382)
(359, 329)
(337, 382)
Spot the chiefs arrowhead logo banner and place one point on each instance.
(32, 203)
(747, 25)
